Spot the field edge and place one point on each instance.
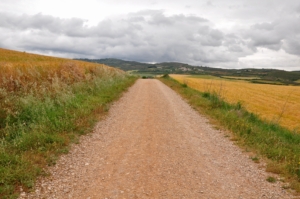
(26, 158)
(276, 145)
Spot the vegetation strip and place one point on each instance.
(45, 127)
(46, 103)
(280, 146)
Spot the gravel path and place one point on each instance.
(154, 145)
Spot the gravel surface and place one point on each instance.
(154, 145)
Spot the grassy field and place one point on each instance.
(279, 147)
(46, 103)
(278, 104)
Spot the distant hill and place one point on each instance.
(266, 76)
(118, 63)
(159, 68)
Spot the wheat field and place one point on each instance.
(46, 103)
(22, 71)
(276, 103)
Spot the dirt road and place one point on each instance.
(153, 145)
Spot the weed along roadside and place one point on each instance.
(278, 146)
(44, 109)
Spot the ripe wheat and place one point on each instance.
(276, 103)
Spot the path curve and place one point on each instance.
(154, 145)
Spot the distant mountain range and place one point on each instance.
(267, 76)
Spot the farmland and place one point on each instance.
(260, 76)
(276, 103)
(21, 71)
(276, 145)
(46, 103)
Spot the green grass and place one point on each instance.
(279, 147)
(267, 82)
(255, 159)
(240, 78)
(41, 127)
(271, 179)
(204, 76)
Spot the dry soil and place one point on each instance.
(153, 144)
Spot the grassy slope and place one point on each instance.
(45, 105)
(279, 146)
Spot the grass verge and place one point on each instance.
(41, 127)
(279, 146)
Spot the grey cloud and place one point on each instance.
(207, 36)
(264, 26)
(160, 19)
(212, 38)
(147, 36)
(194, 19)
(292, 45)
(136, 19)
(282, 32)
(157, 17)
(265, 35)
(298, 9)
(291, 41)
(39, 21)
(70, 27)
(235, 48)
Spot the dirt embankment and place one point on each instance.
(153, 145)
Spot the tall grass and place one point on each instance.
(44, 108)
(278, 145)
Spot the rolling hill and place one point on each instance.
(265, 76)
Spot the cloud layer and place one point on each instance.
(155, 36)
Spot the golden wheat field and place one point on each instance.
(21, 70)
(275, 103)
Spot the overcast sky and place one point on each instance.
(215, 33)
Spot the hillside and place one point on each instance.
(159, 68)
(121, 64)
(265, 76)
(46, 103)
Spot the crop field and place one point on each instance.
(269, 141)
(275, 103)
(46, 103)
(23, 71)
